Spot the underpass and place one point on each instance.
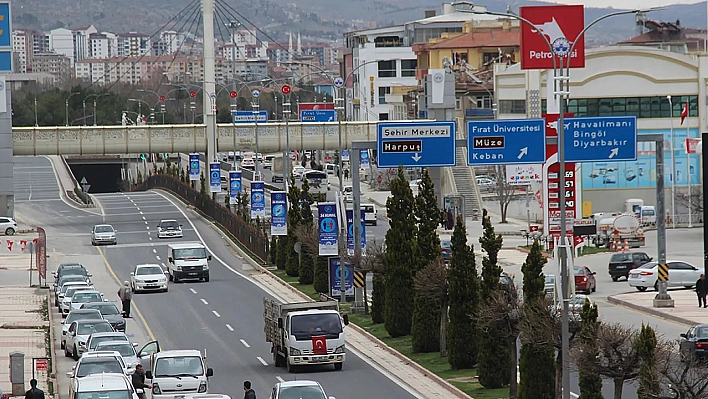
(97, 174)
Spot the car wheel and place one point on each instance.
(641, 289)
(66, 351)
(290, 367)
(76, 353)
(338, 366)
(169, 276)
(93, 243)
(9, 231)
(206, 279)
(615, 278)
(62, 345)
(594, 287)
(175, 279)
(166, 289)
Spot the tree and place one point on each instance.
(272, 249)
(464, 300)
(292, 264)
(688, 378)
(284, 248)
(321, 275)
(432, 282)
(373, 260)
(645, 345)
(378, 298)
(535, 362)
(590, 383)
(307, 260)
(401, 261)
(505, 192)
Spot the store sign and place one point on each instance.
(560, 25)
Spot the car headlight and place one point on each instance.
(205, 267)
(179, 268)
(295, 352)
(82, 344)
(156, 389)
(340, 349)
(202, 387)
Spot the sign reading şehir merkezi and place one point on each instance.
(612, 138)
(506, 141)
(415, 144)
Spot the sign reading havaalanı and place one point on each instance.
(561, 25)
(328, 228)
(278, 213)
(257, 199)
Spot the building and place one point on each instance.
(21, 50)
(40, 42)
(133, 44)
(92, 70)
(326, 55)
(99, 46)
(58, 65)
(670, 36)
(108, 71)
(170, 43)
(82, 48)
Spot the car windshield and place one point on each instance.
(190, 253)
(70, 292)
(325, 323)
(179, 366)
(90, 328)
(623, 257)
(74, 271)
(368, 208)
(578, 300)
(97, 340)
(70, 278)
(103, 229)
(123, 394)
(316, 176)
(125, 348)
(142, 271)
(648, 212)
(107, 365)
(74, 316)
(649, 265)
(578, 271)
(105, 309)
(67, 288)
(170, 224)
(86, 297)
(309, 392)
(447, 244)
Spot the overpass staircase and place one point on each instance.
(465, 182)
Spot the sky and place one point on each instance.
(626, 4)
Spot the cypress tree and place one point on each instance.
(283, 250)
(321, 275)
(306, 269)
(294, 219)
(425, 329)
(401, 260)
(536, 363)
(272, 249)
(493, 359)
(463, 291)
(590, 384)
(645, 344)
(378, 298)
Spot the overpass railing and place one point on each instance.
(247, 235)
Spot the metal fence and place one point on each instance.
(249, 236)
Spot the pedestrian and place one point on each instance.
(450, 220)
(249, 392)
(126, 295)
(701, 291)
(442, 219)
(138, 380)
(346, 174)
(36, 393)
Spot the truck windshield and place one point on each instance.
(180, 366)
(190, 253)
(316, 324)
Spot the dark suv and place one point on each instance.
(622, 262)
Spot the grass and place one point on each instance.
(593, 250)
(463, 379)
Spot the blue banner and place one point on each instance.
(234, 184)
(194, 167)
(345, 155)
(328, 228)
(364, 158)
(350, 231)
(335, 279)
(215, 177)
(278, 213)
(258, 199)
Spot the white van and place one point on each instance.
(188, 261)
(370, 213)
(168, 370)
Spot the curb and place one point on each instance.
(52, 348)
(650, 311)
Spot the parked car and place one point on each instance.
(681, 274)
(8, 226)
(575, 305)
(81, 297)
(694, 343)
(98, 337)
(109, 312)
(65, 302)
(93, 364)
(584, 279)
(61, 292)
(169, 228)
(622, 262)
(74, 315)
(103, 234)
(131, 357)
(148, 278)
(446, 246)
(72, 278)
(298, 389)
(486, 184)
(79, 332)
(105, 385)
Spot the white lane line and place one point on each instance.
(141, 212)
(154, 251)
(137, 208)
(204, 301)
(150, 238)
(157, 257)
(245, 344)
(575, 395)
(144, 218)
(279, 378)
(147, 223)
(191, 289)
(229, 327)
(263, 362)
(216, 313)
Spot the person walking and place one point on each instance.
(701, 291)
(34, 392)
(138, 380)
(126, 295)
(249, 392)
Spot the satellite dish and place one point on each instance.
(297, 247)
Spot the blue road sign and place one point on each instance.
(6, 61)
(215, 177)
(318, 115)
(249, 116)
(278, 213)
(611, 138)
(194, 167)
(415, 144)
(328, 228)
(345, 155)
(506, 141)
(5, 25)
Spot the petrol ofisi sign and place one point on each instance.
(561, 26)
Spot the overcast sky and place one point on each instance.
(625, 4)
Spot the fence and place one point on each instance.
(247, 235)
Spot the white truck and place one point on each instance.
(622, 227)
(189, 260)
(168, 370)
(306, 333)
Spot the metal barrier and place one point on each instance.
(247, 235)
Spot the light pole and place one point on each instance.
(673, 165)
(256, 107)
(233, 25)
(66, 107)
(36, 122)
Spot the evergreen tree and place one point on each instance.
(272, 249)
(400, 258)
(292, 264)
(283, 249)
(321, 275)
(307, 262)
(378, 298)
(425, 329)
(463, 291)
(645, 344)
(590, 383)
(536, 363)
(493, 359)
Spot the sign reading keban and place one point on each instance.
(524, 174)
(278, 213)
(194, 167)
(335, 278)
(234, 185)
(560, 25)
(345, 155)
(258, 200)
(215, 177)
(350, 231)
(328, 229)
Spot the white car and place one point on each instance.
(65, 302)
(248, 163)
(97, 363)
(298, 389)
(370, 214)
(148, 278)
(81, 297)
(127, 350)
(105, 385)
(298, 171)
(8, 226)
(78, 334)
(348, 193)
(103, 234)
(61, 293)
(98, 337)
(169, 228)
(681, 274)
(74, 315)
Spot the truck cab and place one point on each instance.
(188, 261)
(168, 369)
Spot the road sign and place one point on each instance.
(5, 25)
(212, 96)
(359, 279)
(318, 115)
(85, 187)
(506, 141)
(162, 98)
(592, 139)
(561, 25)
(6, 61)
(233, 94)
(338, 82)
(415, 144)
(192, 94)
(327, 228)
(255, 93)
(249, 116)
(285, 89)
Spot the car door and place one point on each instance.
(70, 338)
(687, 273)
(148, 350)
(686, 344)
(591, 278)
(676, 274)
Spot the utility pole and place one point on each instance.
(209, 84)
(233, 25)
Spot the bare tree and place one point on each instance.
(694, 199)
(432, 282)
(685, 379)
(504, 313)
(309, 240)
(616, 358)
(371, 260)
(505, 191)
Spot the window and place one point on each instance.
(383, 117)
(382, 94)
(641, 107)
(387, 69)
(489, 57)
(512, 106)
(408, 68)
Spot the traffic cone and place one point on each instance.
(626, 246)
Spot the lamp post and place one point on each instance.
(233, 25)
(673, 165)
(36, 122)
(95, 100)
(66, 107)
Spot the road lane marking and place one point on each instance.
(260, 359)
(204, 301)
(141, 212)
(245, 344)
(147, 223)
(157, 257)
(144, 218)
(191, 289)
(216, 313)
(229, 327)
(279, 378)
(154, 251)
(150, 237)
(148, 227)
(137, 208)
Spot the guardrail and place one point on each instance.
(247, 235)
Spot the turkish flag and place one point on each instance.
(684, 113)
(319, 345)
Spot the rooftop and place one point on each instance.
(479, 38)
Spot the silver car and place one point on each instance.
(103, 234)
(126, 349)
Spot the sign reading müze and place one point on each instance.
(193, 167)
(560, 25)
(328, 229)
(350, 231)
(257, 199)
(234, 184)
(278, 213)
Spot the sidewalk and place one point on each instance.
(685, 310)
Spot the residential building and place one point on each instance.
(92, 70)
(82, 48)
(278, 53)
(170, 42)
(22, 50)
(16, 81)
(100, 46)
(40, 42)
(61, 41)
(134, 44)
(326, 55)
(669, 36)
(133, 71)
(58, 65)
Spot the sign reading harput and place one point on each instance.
(561, 25)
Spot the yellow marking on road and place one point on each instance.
(135, 306)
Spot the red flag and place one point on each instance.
(319, 345)
(9, 245)
(684, 113)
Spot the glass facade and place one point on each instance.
(641, 107)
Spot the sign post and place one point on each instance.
(415, 144)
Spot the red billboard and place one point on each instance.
(561, 25)
(41, 253)
(312, 106)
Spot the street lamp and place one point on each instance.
(36, 123)
(66, 107)
(673, 166)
